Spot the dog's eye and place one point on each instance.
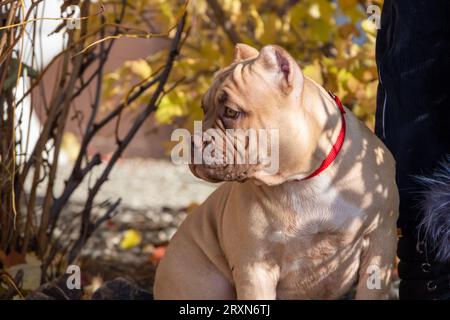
(230, 113)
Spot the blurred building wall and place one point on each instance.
(149, 142)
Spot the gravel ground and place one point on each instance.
(145, 184)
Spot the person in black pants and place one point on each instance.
(413, 120)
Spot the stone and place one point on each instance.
(121, 289)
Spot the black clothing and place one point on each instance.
(413, 120)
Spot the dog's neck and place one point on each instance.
(319, 124)
(321, 117)
(324, 122)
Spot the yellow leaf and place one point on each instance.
(351, 9)
(272, 26)
(166, 10)
(171, 106)
(358, 111)
(313, 71)
(314, 11)
(70, 145)
(233, 8)
(140, 67)
(369, 27)
(259, 24)
(348, 3)
(130, 239)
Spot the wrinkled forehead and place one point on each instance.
(237, 79)
(219, 80)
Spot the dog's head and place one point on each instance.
(259, 93)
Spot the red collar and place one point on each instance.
(337, 145)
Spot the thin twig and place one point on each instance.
(85, 229)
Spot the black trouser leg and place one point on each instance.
(413, 120)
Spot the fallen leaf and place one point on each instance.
(131, 238)
(157, 254)
(191, 207)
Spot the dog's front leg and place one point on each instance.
(377, 261)
(257, 281)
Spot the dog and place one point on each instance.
(322, 224)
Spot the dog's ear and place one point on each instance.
(244, 52)
(286, 70)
